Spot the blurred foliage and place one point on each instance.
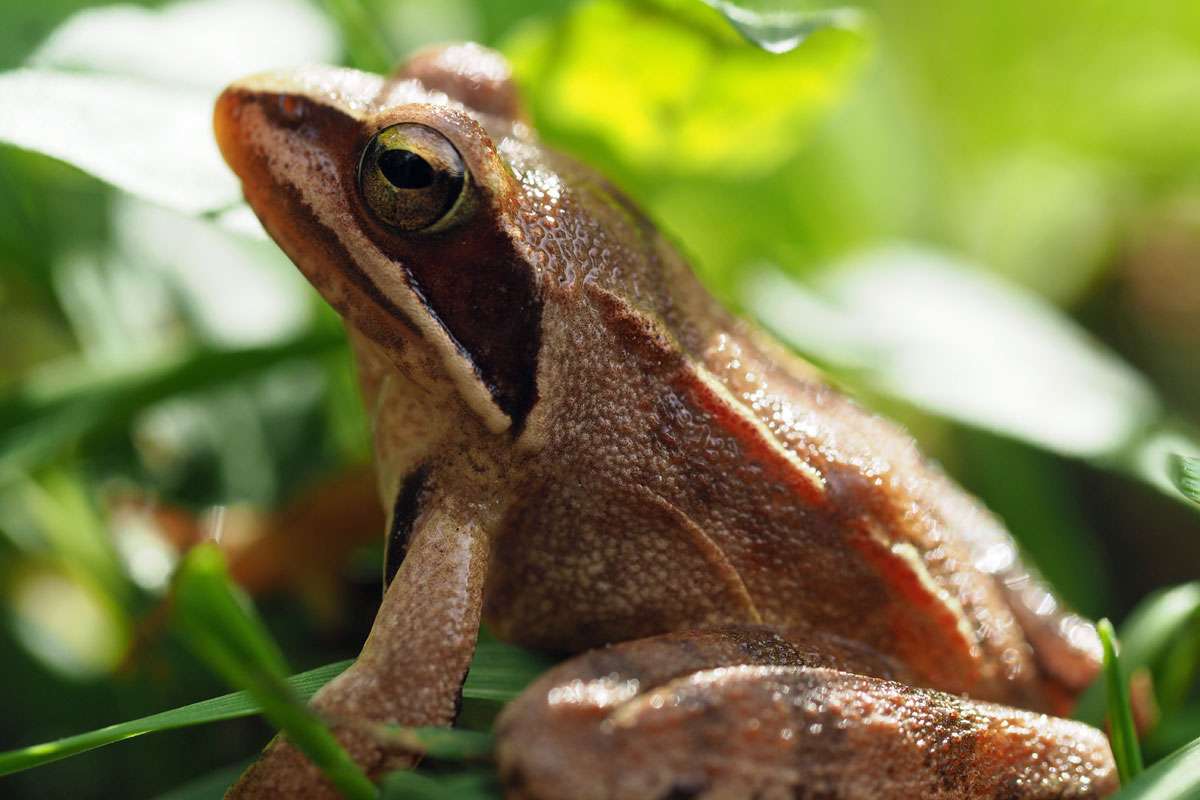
(983, 218)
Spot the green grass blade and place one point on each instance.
(1122, 733)
(1176, 777)
(498, 673)
(1185, 472)
(501, 671)
(1147, 636)
(37, 422)
(468, 785)
(448, 744)
(221, 629)
(230, 706)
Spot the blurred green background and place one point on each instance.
(983, 218)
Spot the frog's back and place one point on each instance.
(696, 447)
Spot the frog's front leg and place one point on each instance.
(411, 669)
(751, 713)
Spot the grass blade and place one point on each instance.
(1147, 638)
(230, 706)
(501, 671)
(448, 744)
(221, 629)
(1176, 777)
(1122, 733)
(37, 422)
(469, 785)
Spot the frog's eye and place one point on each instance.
(411, 176)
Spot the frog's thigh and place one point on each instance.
(651, 720)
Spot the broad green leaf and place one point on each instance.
(1122, 733)
(220, 626)
(1176, 777)
(146, 138)
(653, 94)
(946, 337)
(43, 416)
(950, 339)
(1185, 471)
(779, 26)
(198, 43)
(1147, 635)
(229, 706)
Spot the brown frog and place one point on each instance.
(774, 594)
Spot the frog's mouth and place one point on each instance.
(296, 156)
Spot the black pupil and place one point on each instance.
(405, 169)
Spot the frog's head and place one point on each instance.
(393, 199)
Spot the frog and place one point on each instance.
(761, 588)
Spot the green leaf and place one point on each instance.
(1147, 637)
(220, 627)
(1122, 732)
(365, 44)
(501, 671)
(449, 744)
(201, 43)
(953, 340)
(99, 123)
(1176, 777)
(208, 787)
(691, 96)
(472, 785)
(229, 706)
(1185, 472)
(40, 418)
(779, 26)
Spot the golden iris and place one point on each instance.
(411, 176)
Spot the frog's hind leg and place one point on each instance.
(751, 713)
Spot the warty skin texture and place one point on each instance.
(605, 454)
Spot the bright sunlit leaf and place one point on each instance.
(201, 43)
(656, 92)
(66, 623)
(146, 138)
(1122, 733)
(778, 26)
(955, 341)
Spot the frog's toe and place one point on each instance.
(651, 719)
